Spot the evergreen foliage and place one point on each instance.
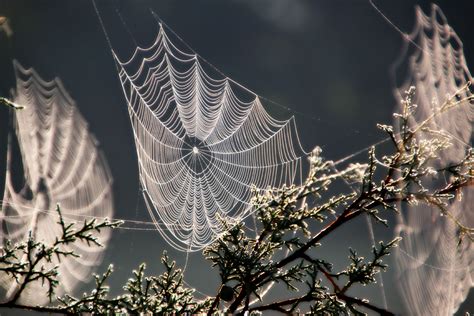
(283, 249)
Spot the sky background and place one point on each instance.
(328, 60)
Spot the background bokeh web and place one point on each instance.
(61, 165)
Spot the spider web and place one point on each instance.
(436, 274)
(204, 143)
(61, 165)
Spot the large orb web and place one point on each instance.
(62, 165)
(203, 142)
(435, 275)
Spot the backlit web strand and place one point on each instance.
(202, 143)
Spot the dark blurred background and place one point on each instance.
(328, 60)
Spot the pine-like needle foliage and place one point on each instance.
(283, 250)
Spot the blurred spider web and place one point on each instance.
(61, 165)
